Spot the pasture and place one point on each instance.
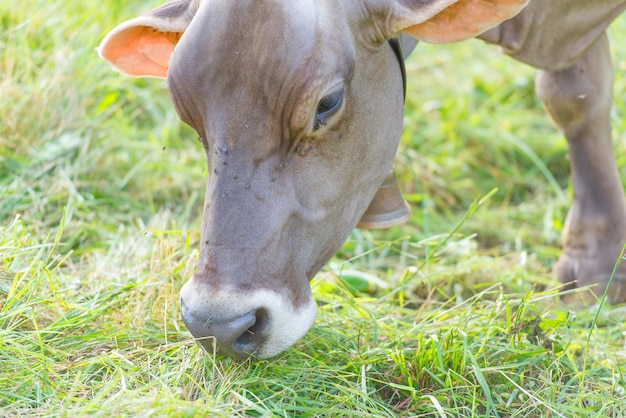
(101, 191)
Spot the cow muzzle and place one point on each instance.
(241, 324)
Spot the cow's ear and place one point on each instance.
(142, 46)
(443, 21)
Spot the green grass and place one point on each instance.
(101, 193)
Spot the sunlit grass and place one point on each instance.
(101, 193)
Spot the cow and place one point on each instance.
(299, 108)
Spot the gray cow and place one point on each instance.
(299, 106)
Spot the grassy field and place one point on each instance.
(101, 192)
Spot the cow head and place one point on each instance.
(299, 108)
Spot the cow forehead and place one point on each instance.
(244, 40)
(251, 52)
(268, 25)
(301, 13)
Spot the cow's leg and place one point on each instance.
(579, 100)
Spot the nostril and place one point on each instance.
(238, 338)
(250, 339)
(240, 323)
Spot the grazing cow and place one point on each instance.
(299, 107)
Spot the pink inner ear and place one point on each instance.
(141, 51)
(465, 19)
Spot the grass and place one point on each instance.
(100, 202)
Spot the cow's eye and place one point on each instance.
(327, 107)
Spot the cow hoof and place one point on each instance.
(576, 269)
(388, 208)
